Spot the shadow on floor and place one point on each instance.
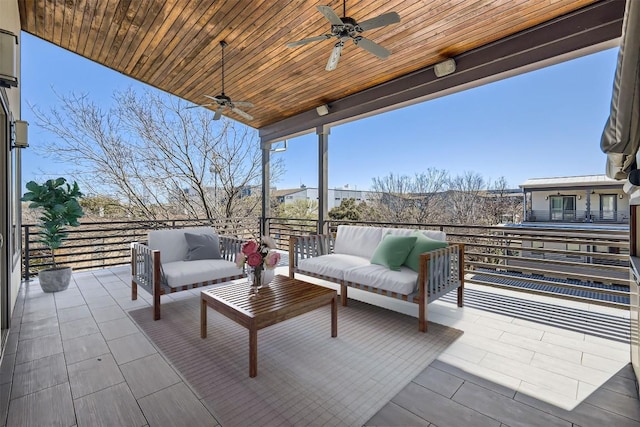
(573, 319)
(448, 396)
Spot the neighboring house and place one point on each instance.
(336, 195)
(591, 202)
(583, 199)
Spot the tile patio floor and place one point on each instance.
(76, 358)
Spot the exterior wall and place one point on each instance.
(10, 21)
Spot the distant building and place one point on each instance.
(575, 199)
(336, 195)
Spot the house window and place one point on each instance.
(573, 247)
(608, 207)
(562, 208)
(537, 245)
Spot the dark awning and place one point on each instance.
(621, 135)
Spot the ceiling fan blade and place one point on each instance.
(218, 114)
(309, 40)
(380, 21)
(372, 47)
(330, 15)
(215, 98)
(335, 56)
(242, 113)
(242, 104)
(200, 105)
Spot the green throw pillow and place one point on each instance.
(393, 250)
(423, 244)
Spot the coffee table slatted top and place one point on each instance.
(283, 292)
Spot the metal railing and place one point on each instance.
(599, 216)
(572, 262)
(583, 264)
(107, 244)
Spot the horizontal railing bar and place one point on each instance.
(548, 283)
(549, 261)
(612, 304)
(612, 243)
(551, 251)
(550, 273)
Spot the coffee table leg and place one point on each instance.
(334, 316)
(253, 352)
(203, 319)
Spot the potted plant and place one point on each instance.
(58, 203)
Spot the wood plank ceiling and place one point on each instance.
(174, 44)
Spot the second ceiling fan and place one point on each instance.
(346, 28)
(224, 102)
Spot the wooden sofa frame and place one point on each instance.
(449, 263)
(146, 271)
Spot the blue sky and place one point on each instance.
(540, 124)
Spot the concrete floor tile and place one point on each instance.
(78, 328)
(175, 405)
(93, 374)
(85, 347)
(38, 347)
(113, 406)
(130, 347)
(149, 375)
(49, 407)
(38, 374)
(117, 328)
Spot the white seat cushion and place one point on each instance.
(180, 273)
(358, 241)
(432, 234)
(403, 282)
(333, 265)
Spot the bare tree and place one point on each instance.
(500, 203)
(464, 198)
(160, 159)
(401, 198)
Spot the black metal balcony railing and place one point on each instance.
(107, 244)
(612, 217)
(579, 263)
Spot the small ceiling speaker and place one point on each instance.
(322, 110)
(445, 68)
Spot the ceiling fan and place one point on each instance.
(346, 28)
(224, 102)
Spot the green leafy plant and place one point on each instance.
(60, 208)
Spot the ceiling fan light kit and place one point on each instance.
(346, 28)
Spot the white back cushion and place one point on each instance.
(432, 234)
(359, 241)
(172, 244)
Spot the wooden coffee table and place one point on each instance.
(283, 299)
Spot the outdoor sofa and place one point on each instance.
(356, 257)
(175, 260)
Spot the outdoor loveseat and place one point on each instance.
(179, 259)
(355, 257)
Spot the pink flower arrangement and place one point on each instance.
(258, 256)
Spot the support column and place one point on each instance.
(323, 178)
(266, 189)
